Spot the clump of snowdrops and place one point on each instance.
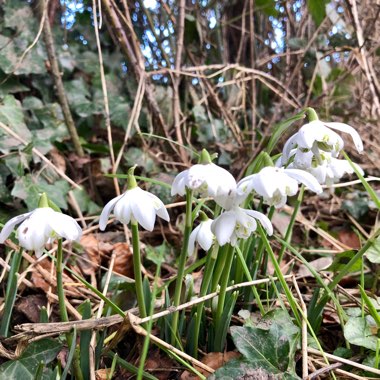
(230, 221)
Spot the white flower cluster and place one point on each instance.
(315, 148)
(310, 157)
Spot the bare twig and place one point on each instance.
(62, 98)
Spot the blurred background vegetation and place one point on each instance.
(203, 73)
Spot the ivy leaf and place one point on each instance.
(361, 332)
(22, 35)
(317, 9)
(29, 188)
(341, 259)
(25, 367)
(267, 349)
(11, 114)
(373, 252)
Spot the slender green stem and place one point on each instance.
(137, 269)
(249, 278)
(60, 291)
(11, 293)
(182, 262)
(289, 230)
(63, 311)
(209, 267)
(220, 264)
(277, 269)
(144, 354)
(223, 284)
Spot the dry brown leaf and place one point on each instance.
(158, 361)
(349, 238)
(94, 249)
(123, 259)
(102, 374)
(214, 360)
(58, 159)
(31, 306)
(318, 264)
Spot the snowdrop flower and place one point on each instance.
(40, 227)
(276, 184)
(202, 235)
(318, 135)
(206, 177)
(327, 171)
(134, 205)
(332, 170)
(238, 223)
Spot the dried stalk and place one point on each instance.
(57, 78)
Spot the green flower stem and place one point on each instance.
(249, 278)
(220, 264)
(145, 349)
(277, 269)
(63, 311)
(209, 268)
(11, 293)
(182, 262)
(223, 284)
(289, 230)
(137, 269)
(60, 291)
(260, 252)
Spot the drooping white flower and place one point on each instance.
(327, 170)
(40, 227)
(276, 184)
(207, 178)
(238, 223)
(202, 235)
(332, 170)
(137, 205)
(321, 135)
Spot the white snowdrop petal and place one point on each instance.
(11, 224)
(143, 209)
(65, 226)
(342, 127)
(265, 222)
(205, 236)
(290, 144)
(30, 237)
(192, 239)
(223, 227)
(178, 185)
(103, 219)
(122, 208)
(306, 178)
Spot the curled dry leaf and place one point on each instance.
(123, 259)
(318, 264)
(214, 360)
(31, 306)
(160, 362)
(94, 250)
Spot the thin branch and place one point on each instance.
(176, 78)
(57, 78)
